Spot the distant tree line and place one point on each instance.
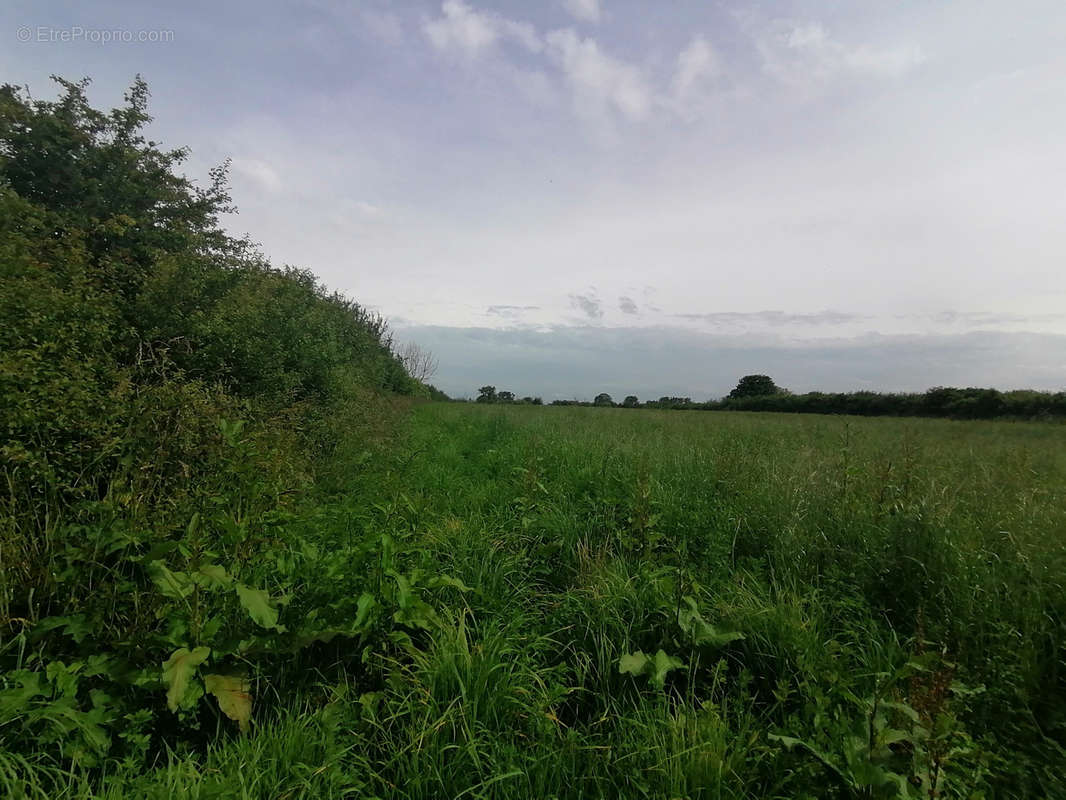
(760, 393)
(488, 394)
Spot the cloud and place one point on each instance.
(368, 209)
(258, 172)
(627, 305)
(471, 33)
(588, 304)
(521, 32)
(510, 312)
(583, 10)
(695, 64)
(800, 54)
(974, 319)
(602, 85)
(461, 28)
(600, 82)
(773, 318)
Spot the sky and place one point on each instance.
(574, 196)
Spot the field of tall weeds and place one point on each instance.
(549, 602)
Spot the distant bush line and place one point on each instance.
(945, 402)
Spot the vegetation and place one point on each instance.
(517, 602)
(755, 386)
(760, 393)
(236, 562)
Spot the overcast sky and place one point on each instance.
(571, 196)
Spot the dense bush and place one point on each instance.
(117, 277)
(165, 397)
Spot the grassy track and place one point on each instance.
(897, 588)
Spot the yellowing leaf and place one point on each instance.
(233, 695)
(633, 663)
(178, 671)
(257, 603)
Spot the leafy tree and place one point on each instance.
(631, 402)
(486, 394)
(603, 399)
(505, 397)
(755, 386)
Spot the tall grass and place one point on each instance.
(896, 586)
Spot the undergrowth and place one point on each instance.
(572, 603)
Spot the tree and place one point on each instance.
(630, 402)
(755, 386)
(505, 397)
(419, 363)
(603, 399)
(486, 394)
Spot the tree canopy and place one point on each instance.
(755, 386)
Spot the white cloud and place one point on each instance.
(470, 32)
(695, 64)
(368, 209)
(461, 28)
(889, 62)
(584, 10)
(521, 32)
(802, 54)
(599, 80)
(258, 172)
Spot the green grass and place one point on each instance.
(897, 585)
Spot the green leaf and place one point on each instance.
(633, 663)
(257, 603)
(703, 634)
(656, 667)
(663, 664)
(176, 585)
(447, 580)
(178, 671)
(363, 608)
(212, 576)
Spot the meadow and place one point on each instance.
(243, 555)
(568, 602)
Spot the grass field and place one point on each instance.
(615, 603)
